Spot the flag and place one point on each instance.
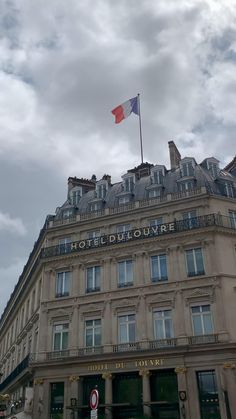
(125, 109)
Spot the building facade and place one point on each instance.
(130, 289)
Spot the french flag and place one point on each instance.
(125, 109)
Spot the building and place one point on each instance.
(130, 287)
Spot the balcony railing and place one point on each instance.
(141, 346)
(176, 226)
(15, 373)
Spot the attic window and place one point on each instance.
(75, 195)
(101, 191)
(187, 169)
(213, 168)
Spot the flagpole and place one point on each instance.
(140, 127)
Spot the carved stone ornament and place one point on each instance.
(73, 378)
(160, 300)
(181, 370)
(38, 381)
(107, 376)
(197, 293)
(229, 365)
(62, 314)
(124, 304)
(145, 373)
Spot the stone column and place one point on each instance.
(73, 390)
(107, 376)
(38, 399)
(229, 376)
(183, 394)
(145, 374)
(146, 268)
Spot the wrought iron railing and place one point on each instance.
(176, 226)
(203, 339)
(15, 373)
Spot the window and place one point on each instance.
(157, 177)
(60, 337)
(101, 191)
(122, 228)
(195, 265)
(129, 184)
(202, 320)
(95, 206)
(93, 279)
(64, 244)
(125, 273)
(153, 193)
(93, 234)
(67, 213)
(156, 222)
(127, 328)
(187, 169)
(213, 168)
(229, 191)
(189, 218)
(158, 268)
(63, 284)
(186, 186)
(232, 215)
(163, 325)
(124, 200)
(75, 196)
(93, 332)
(208, 394)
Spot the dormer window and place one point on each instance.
(129, 184)
(187, 168)
(213, 167)
(229, 190)
(101, 191)
(75, 195)
(157, 174)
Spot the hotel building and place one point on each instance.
(130, 289)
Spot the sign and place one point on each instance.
(94, 414)
(94, 398)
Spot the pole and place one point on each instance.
(140, 127)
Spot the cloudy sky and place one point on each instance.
(64, 65)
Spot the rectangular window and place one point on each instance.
(67, 213)
(158, 268)
(63, 284)
(190, 219)
(156, 222)
(93, 234)
(95, 206)
(93, 279)
(129, 184)
(187, 169)
(202, 320)
(101, 191)
(229, 191)
(163, 324)
(125, 273)
(195, 265)
(208, 395)
(153, 193)
(64, 244)
(124, 200)
(157, 177)
(186, 186)
(60, 337)
(57, 400)
(122, 228)
(75, 197)
(232, 215)
(127, 328)
(213, 169)
(93, 332)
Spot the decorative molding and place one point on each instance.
(107, 376)
(160, 300)
(198, 293)
(145, 373)
(229, 365)
(73, 378)
(125, 304)
(181, 370)
(38, 381)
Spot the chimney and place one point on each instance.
(175, 155)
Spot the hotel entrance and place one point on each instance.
(164, 395)
(127, 392)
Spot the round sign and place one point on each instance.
(94, 398)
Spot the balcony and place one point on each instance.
(23, 365)
(141, 346)
(174, 227)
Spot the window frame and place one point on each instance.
(93, 328)
(163, 319)
(66, 277)
(96, 277)
(202, 314)
(128, 324)
(196, 272)
(125, 283)
(60, 333)
(159, 277)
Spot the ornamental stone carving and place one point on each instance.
(181, 370)
(73, 378)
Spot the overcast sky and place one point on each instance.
(65, 64)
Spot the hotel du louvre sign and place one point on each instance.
(131, 235)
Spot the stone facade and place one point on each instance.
(131, 285)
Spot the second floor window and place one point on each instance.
(125, 273)
(163, 324)
(93, 332)
(127, 328)
(158, 268)
(93, 279)
(60, 337)
(195, 265)
(232, 215)
(202, 320)
(63, 284)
